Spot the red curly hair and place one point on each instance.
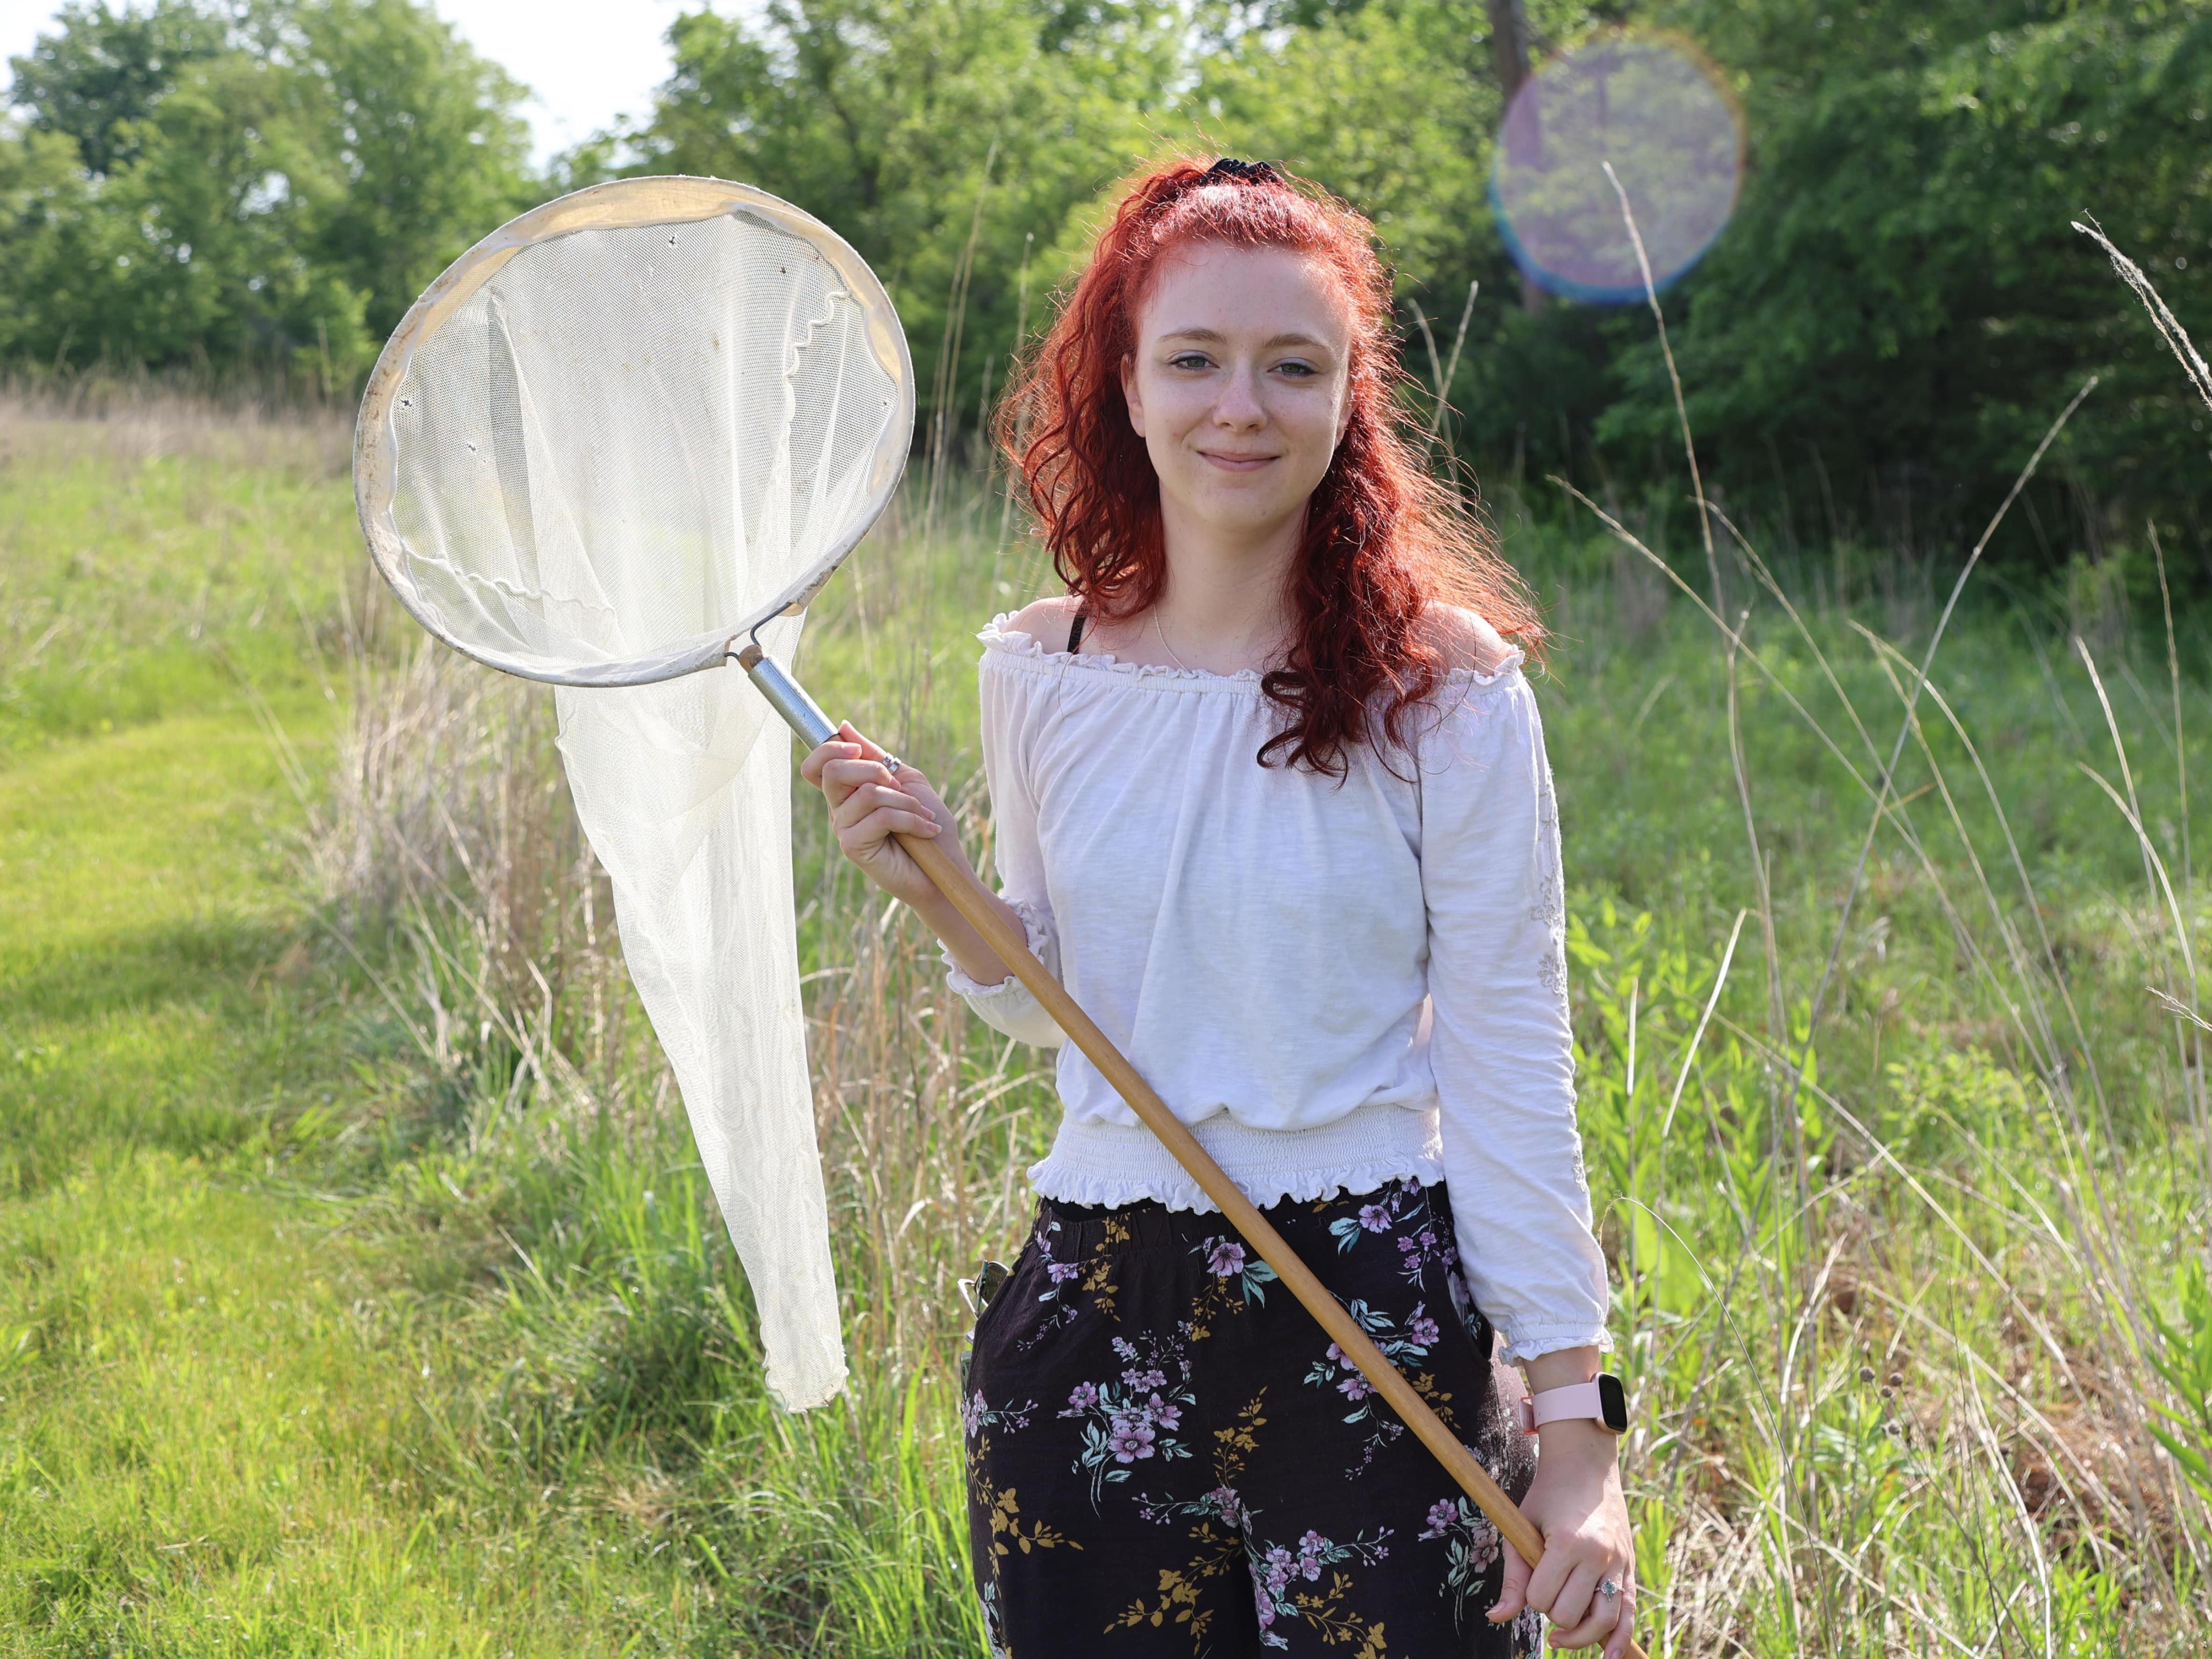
(1384, 541)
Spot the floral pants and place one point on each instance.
(1167, 1455)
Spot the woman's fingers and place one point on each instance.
(845, 774)
(872, 798)
(875, 809)
(1550, 1578)
(1606, 1623)
(1515, 1594)
(1624, 1627)
(916, 783)
(1602, 1619)
(819, 758)
(865, 842)
(1568, 1596)
(1573, 1603)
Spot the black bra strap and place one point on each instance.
(1075, 632)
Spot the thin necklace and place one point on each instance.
(1166, 646)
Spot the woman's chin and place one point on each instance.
(1243, 508)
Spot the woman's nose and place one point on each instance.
(1239, 405)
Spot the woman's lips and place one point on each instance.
(1237, 463)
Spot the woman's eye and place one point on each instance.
(1193, 360)
(1296, 370)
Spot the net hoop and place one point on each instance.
(620, 204)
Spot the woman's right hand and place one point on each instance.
(870, 804)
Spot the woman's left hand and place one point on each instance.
(1576, 1503)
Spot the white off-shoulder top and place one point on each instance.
(1335, 985)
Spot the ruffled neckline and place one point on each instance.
(1000, 635)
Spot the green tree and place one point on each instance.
(914, 126)
(186, 253)
(106, 69)
(409, 145)
(275, 200)
(1900, 296)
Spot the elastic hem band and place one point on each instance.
(1039, 932)
(1114, 1163)
(1550, 1339)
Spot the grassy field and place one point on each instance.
(357, 1293)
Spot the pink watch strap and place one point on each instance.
(1576, 1399)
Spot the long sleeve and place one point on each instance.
(1500, 1043)
(1008, 1006)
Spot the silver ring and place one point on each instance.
(891, 764)
(1609, 1587)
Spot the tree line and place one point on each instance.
(1896, 311)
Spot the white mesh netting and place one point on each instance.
(626, 444)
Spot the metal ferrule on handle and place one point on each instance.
(786, 697)
(944, 866)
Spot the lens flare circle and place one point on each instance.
(1658, 110)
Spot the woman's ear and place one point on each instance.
(1129, 394)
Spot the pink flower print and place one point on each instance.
(1263, 1603)
(972, 1410)
(1422, 1330)
(1084, 1397)
(1280, 1567)
(1060, 1271)
(1152, 1379)
(1375, 1219)
(1483, 1547)
(1167, 1415)
(1227, 1504)
(1225, 1259)
(1311, 1548)
(1338, 1355)
(1130, 1438)
(1441, 1514)
(1355, 1387)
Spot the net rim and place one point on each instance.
(620, 204)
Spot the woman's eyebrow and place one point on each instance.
(1215, 336)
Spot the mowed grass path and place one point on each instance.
(221, 1385)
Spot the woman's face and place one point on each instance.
(1239, 386)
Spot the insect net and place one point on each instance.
(621, 434)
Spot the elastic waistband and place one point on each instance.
(1113, 1164)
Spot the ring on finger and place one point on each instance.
(1609, 1588)
(891, 764)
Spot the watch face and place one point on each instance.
(1613, 1400)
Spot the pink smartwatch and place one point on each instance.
(1601, 1399)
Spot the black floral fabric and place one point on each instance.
(1167, 1455)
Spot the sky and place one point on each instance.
(585, 61)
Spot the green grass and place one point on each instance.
(356, 1296)
(218, 1388)
(268, 1381)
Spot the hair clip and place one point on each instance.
(1247, 172)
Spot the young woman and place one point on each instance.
(1269, 793)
